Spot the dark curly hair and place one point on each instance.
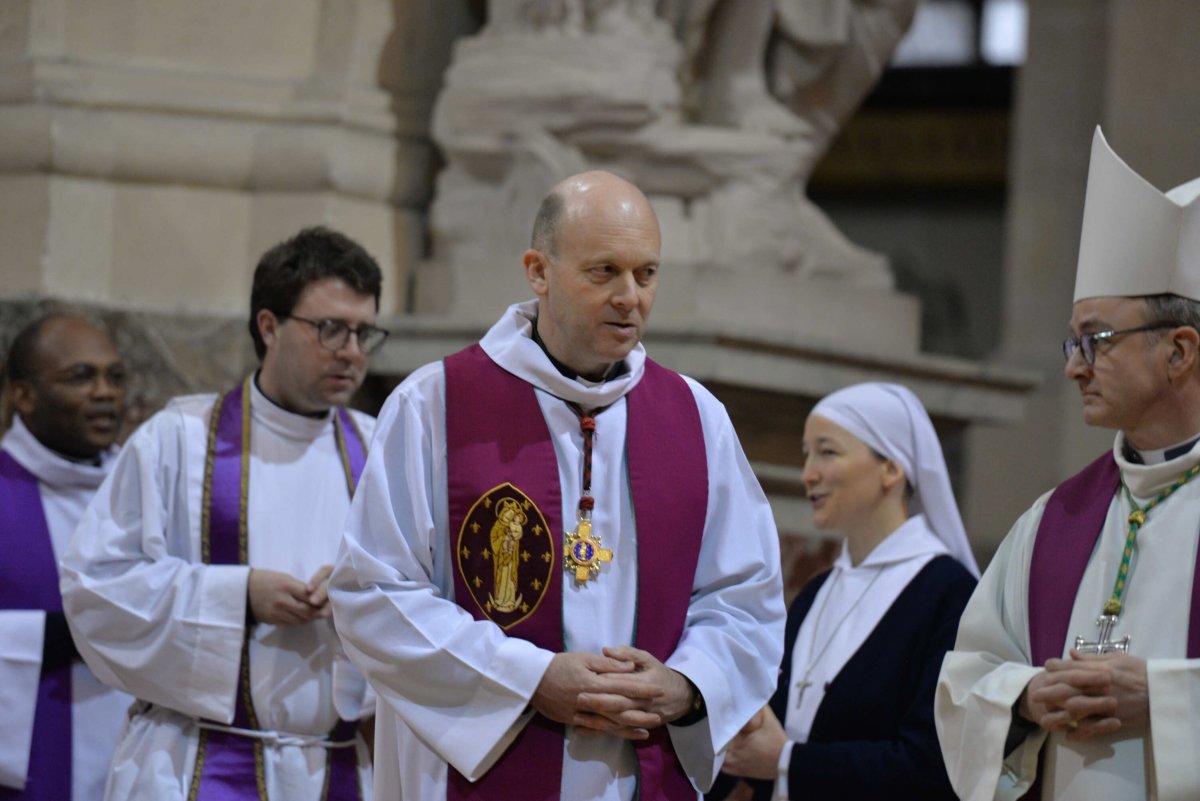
(313, 254)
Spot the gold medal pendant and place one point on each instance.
(583, 553)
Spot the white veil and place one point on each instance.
(892, 422)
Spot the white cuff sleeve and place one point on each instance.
(781, 778)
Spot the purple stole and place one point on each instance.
(29, 580)
(500, 457)
(229, 767)
(1066, 537)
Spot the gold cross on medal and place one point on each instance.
(583, 553)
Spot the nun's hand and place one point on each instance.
(754, 752)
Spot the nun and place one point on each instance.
(852, 716)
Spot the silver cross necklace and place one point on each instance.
(805, 682)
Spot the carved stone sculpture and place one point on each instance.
(718, 109)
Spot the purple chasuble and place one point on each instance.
(229, 767)
(1070, 527)
(504, 497)
(29, 580)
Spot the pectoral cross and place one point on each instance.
(1104, 645)
(583, 553)
(801, 686)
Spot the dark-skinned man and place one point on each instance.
(65, 384)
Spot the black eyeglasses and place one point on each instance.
(335, 334)
(1086, 343)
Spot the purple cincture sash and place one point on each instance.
(229, 767)
(1070, 527)
(496, 435)
(29, 580)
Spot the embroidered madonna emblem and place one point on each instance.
(506, 554)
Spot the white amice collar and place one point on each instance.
(50, 467)
(1147, 480)
(295, 426)
(509, 343)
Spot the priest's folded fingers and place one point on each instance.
(631, 654)
(319, 598)
(597, 725)
(604, 703)
(611, 706)
(302, 612)
(600, 663)
(320, 579)
(633, 686)
(625, 734)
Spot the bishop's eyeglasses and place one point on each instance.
(335, 334)
(1086, 343)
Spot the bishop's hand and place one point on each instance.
(1127, 693)
(1088, 695)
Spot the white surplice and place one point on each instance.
(97, 712)
(454, 689)
(989, 667)
(152, 619)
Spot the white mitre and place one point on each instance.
(1136, 240)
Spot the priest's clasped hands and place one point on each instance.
(1088, 694)
(282, 600)
(623, 692)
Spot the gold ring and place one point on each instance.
(1074, 724)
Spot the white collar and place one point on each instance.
(912, 539)
(509, 343)
(1147, 480)
(287, 424)
(50, 467)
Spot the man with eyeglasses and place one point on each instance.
(1076, 674)
(197, 580)
(65, 383)
(560, 574)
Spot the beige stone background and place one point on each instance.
(150, 150)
